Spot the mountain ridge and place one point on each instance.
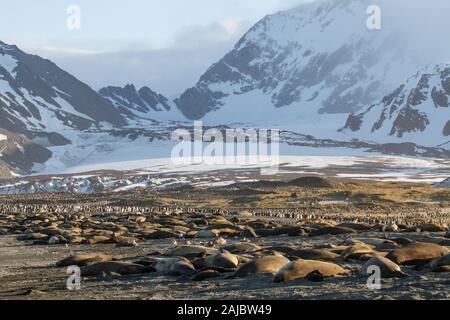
(41, 86)
(418, 108)
(308, 70)
(143, 103)
(321, 69)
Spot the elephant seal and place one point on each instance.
(264, 232)
(207, 234)
(122, 268)
(76, 240)
(33, 236)
(218, 220)
(440, 262)
(402, 241)
(378, 243)
(174, 266)
(184, 251)
(331, 231)
(82, 260)
(206, 274)
(427, 227)
(388, 268)
(298, 232)
(147, 261)
(58, 239)
(283, 249)
(248, 232)
(301, 269)
(266, 264)
(161, 234)
(316, 223)
(356, 251)
(290, 230)
(99, 240)
(223, 260)
(242, 247)
(417, 253)
(244, 258)
(314, 254)
(122, 241)
(356, 226)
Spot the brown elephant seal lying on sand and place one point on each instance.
(388, 268)
(314, 254)
(82, 260)
(176, 266)
(301, 269)
(193, 250)
(417, 253)
(442, 263)
(224, 260)
(122, 268)
(266, 264)
(331, 231)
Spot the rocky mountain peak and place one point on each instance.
(418, 110)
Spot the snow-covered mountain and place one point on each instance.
(37, 96)
(39, 103)
(141, 104)
(418, 110)
(18, 154)
(303, 70)
(443, 184)
(311, 66)
(46, 114)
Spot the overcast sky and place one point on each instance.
(165, 44)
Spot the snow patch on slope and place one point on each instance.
(8, 63)
(416, 111)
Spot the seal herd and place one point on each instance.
(206, 244)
